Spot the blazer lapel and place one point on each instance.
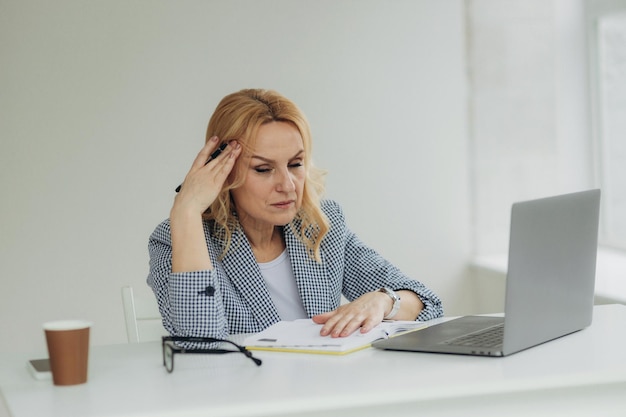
(243, 271)
(320, 292)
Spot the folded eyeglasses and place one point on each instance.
(170, 348)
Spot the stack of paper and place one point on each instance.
(304, 336)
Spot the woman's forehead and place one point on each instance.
(277, 138)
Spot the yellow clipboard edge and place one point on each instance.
(308, 350)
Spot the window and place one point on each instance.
(609, 82)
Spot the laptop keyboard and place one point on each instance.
(487, 338)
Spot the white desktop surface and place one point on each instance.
(580, 374)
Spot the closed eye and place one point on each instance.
(265, 170)
(268, 165)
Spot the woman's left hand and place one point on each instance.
(365, 313)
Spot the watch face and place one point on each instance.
(390, 293)
(396, 302)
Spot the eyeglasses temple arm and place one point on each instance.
(249, 354)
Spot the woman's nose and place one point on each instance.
(285, 182)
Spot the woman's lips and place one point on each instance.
(283, 204)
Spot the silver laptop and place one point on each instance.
(549, 285)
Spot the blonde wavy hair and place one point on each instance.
(239, 116)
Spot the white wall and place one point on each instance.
(530, 128)
(103, 106)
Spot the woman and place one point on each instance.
(249, 242)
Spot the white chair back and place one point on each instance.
(143, 320)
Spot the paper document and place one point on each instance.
(304, 336)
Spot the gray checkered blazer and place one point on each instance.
(233, 298)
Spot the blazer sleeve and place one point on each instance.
(189, 302)
(365, 270)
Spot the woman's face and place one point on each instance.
(272, 192)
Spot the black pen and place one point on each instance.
(214, 155)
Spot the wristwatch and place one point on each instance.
(396, 302)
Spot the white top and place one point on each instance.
(281, 284)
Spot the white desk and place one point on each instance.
(581, 374)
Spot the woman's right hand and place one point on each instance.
(204, 182)
(201, 187)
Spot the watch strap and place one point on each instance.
(396, 302)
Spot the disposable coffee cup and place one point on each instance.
(68, 350)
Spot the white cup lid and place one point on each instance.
(67, 325)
